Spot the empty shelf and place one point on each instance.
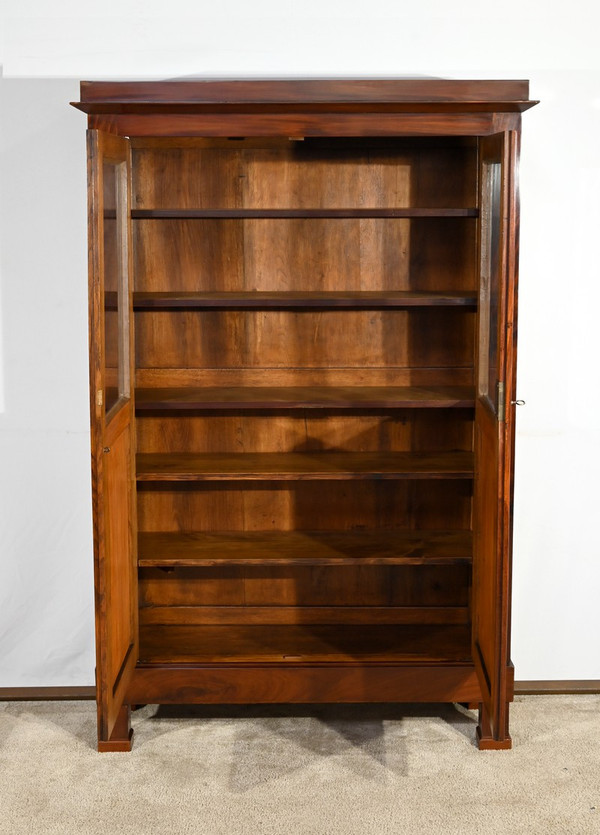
(304, 397)
(392, 547)
(322, 300)
(304, 644)
(166, 214)
(294, 466)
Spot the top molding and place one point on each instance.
(402, 95)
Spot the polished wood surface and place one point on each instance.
(303, 547)
(260, 615)
(424, 95)
(250, 300)
(269, 644)
(166, 214)
(293, 466)
(491, 569)
(113, 449)
(324, 506)
(303, 397)
(289, 683)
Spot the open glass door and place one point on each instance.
(113, 438)
(491, 562)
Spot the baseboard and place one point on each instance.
(557, 687)
(37, 694)
(522, 688)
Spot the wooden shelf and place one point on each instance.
(303, 397)
(168, 214)
(385, 547)
(303, 644)
(306, 466)
(255, 300)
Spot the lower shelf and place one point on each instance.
(304, 644)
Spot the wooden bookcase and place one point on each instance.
(303, 346)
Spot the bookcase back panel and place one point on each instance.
(341, 505)
(315, 173)
(305, 254)
(395, 376)
(306, 586)
(323, 339)
(403, 430)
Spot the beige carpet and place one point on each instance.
(301, 771)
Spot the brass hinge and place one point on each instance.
(99, 397)
(501, 400)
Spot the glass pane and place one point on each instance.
(490, 278)
(116, 342)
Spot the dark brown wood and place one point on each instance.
(121, 738)
(309, 644)
(43, 694)
(488, 738)
(307, 260)
(304, 547)
(295, 466)
(272, 684)
(183, 214)
(259, 615)
(355, 92)
(433, 122)
(298, 397)
(248, 300)
(112, 441)
(491, 568)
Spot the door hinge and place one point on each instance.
(99, 397)
(501, 402)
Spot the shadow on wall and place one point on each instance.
(46, 614)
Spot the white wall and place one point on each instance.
(46, 622)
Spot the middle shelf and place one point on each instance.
(309, 466)
(303, 397)
(351, 547)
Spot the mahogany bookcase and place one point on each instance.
(303, 347)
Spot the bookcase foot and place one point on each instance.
(485, 739)
(122, 735)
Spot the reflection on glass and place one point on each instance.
(490, 278)
(116, 344)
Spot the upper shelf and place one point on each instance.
(167, 214)
(324, 300)
(303, 397)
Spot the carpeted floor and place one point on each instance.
(326, 770)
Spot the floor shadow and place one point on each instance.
(369, 740)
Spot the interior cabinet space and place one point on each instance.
(302, 354)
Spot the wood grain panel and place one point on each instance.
(307, 430)
(279, 339)
(287, 683)
(305, 254)
(306, 585)
(316, 173)
(331, 505)
(248, 615)
(276, 377)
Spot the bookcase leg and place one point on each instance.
(122, 735)
(485, 738)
